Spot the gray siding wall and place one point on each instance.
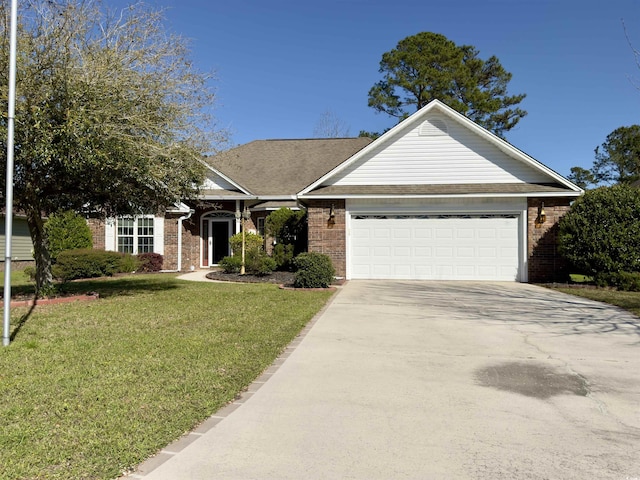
(21, 246)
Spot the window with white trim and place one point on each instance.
(135, 235)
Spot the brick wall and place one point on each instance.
(170, 261)
(544, 261)
(328, 236)
(191, 242)
(96, 226)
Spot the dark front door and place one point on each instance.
(219, 240)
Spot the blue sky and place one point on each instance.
(280, 64)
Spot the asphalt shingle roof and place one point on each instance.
(284, 167)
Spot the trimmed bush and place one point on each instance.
(258, 262)
(150, 262)
(86, 263)
(231, 264)
(67, 231)
(624, 281)
(600, 235)
(313, 270)
(251, 241)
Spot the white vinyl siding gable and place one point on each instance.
(216, 182)
(454, 156)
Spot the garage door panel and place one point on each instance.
(402, 252)
(465, 233)
(423, 233)
(381, 233)
(444, 253)
(422, 252)
(401, 233)
(487, 253)
(438, 248)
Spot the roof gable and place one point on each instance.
(439, 146)
(284, 167)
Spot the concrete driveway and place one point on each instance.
(433, 380)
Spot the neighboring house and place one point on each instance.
(21, 245)
(436, 197)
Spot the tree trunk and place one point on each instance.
(44, 278)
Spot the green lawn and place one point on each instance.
(18, 279)
(628, 300)
(90, 389)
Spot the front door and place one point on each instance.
(215, 233)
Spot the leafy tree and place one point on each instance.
(371, 135)
(617, 160)
(429, 66)
(67, 231)
(111, 117)
(600, 235)
(581, 177)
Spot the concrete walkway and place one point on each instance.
(435, 380)
(196, 276)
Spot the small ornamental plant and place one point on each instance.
(313, 270)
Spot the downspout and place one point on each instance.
(180, 220)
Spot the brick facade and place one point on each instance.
(544, 262)
(543, 259)
(327, 235)
(191, 241)
(96, 226)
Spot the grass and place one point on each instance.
(630, 301)
(18, 280)
(89, 390)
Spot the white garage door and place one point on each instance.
(440, 247)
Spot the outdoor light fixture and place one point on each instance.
(332, 213)
(542, 216)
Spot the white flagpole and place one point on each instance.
(8, 217)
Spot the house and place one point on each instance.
(21, 245)
(436, 197)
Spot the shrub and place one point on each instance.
(251, 241)
(231, 264)
(150, 262)
(313, 270)
(86, 263)
(67, 231)
(601, 233)
(283, 256)
(129, 263)
(625, 281)
(288, 227)
(30, 273)
(258, 262)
